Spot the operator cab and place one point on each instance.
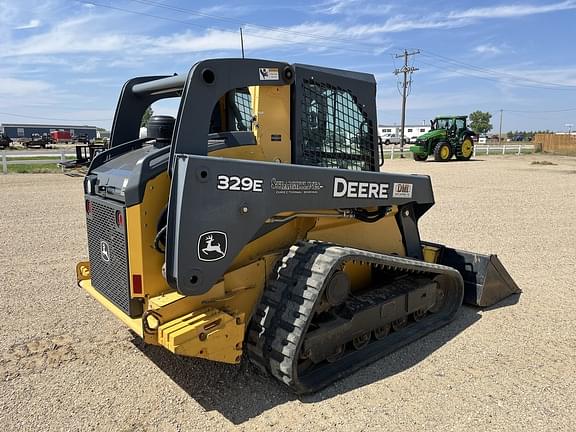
(230, 123)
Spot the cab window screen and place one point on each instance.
(335, 131)
(233, 112)
(240, 104)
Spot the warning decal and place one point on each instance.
(268, 74)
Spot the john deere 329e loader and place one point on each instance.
(258, 222)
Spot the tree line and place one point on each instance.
(480, 124)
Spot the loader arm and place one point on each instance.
(236, 198)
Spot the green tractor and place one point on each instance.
(449, 136)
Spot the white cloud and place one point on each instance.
(33, 23)
(315, 36)
(564, 76)
(352, 7)
(71, 37)
(402, 23)
(441, 20)
(336, 6)
(90, 34)
(515, 10)
(90, 38)
(488, 49)
(224, 10)
(101, 81)
(454, 19)
(18, 87)
(524, 77)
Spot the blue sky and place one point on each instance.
(67, 60)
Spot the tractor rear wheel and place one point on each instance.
(442, 152)
(465, 149)
(419, 157)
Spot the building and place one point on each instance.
(19, 130)
(411, 132)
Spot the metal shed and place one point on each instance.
(21, 130)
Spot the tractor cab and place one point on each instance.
(453, 125)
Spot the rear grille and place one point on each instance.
(108, 254)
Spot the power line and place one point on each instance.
(491, 73)
(498, 73)
(89, 2)
(545, 85)
(245, 28)
(494, 79)
(541, 111)
(239, 22)
(331, 38)
(480, 69)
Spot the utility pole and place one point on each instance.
(500, 134)
(242, 42)
(405, 84)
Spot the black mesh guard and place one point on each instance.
(239, 110)
(110, 275)
(243, 102)
(335, 130)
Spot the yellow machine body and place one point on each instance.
(213, 325)
(258, 221)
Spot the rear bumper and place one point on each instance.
(204, 332)
(135, 324)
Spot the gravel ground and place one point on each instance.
(66, 364)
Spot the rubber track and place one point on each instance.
(281, 318)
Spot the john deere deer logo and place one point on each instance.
(105, 251)
(212, 246)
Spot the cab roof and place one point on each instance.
(450, 117)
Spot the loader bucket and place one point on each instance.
(486, 281)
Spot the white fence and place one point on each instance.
(33, 159)
(392, 152)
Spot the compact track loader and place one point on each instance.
(258, 222)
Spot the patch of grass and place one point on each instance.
(544, 162)
(34, 168)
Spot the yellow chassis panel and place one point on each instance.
(206, 333)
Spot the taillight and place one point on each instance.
(137, 284)
(119, 218)
(88, 207)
